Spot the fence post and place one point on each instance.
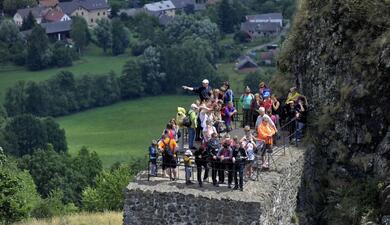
(295, 133)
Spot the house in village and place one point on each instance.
(160, 8)
(246, 64)
(59, 30)
(263, 25)
(90, 10)
(54, 11)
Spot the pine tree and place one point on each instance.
(226, 16)
(29, 22)
(38, 53)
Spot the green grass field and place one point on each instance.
(93, 62)
(122, 130)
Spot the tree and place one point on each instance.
(103, 34)
(11, 43)
(183, 63)
(15, 99)
(80, 33)
(17, 190)
(226, 17)
(10, 6)
(29, 22)
(108, 194)
(120, 37)
(131, 80)
(252, 80)
(58, 171)
(25, 134)
(36, 100)
(152, 71)
(62, 55)
(38, 53)
(55, 135)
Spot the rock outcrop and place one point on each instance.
(338, 51)
(271, 200)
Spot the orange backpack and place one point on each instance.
(265, 132)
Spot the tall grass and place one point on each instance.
(105, 218)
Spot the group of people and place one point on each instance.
(208, 123)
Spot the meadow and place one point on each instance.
(123, 130)
(92, 62)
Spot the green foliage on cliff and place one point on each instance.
(339, 52)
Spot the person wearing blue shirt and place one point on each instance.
(153, 158)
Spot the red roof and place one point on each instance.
(54, 15)
(48, 3)
(266, 55)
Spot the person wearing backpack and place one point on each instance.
(168, 150)
(192, 124)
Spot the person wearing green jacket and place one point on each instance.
(246, 101)
(194, 123)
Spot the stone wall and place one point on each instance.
(270, 200)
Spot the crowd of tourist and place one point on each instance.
(209, 122)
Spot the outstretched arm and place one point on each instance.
(187, 88)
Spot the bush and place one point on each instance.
(252, 80)
(108, 193)
(17, 190)
(53, 206)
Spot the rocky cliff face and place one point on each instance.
(339, 53)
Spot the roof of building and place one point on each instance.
(260, 27)
(274, 16)
(159, 6)
(181, 4)
(36, 12)
(70, 7)
(57, 27)
(267, 55)
(244, 61)
(131, 11)
(48, 3)
(54, 15)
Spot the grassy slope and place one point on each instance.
(106, 218)
(123, 130)
(93, 62)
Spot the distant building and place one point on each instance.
(48, 3)
(90, 10)
(263, 25)
(55, 15)
(22, 14)
(160, 8)
(266, 18)
(195, 5)
(246, 64)
(58, 30)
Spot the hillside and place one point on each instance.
(123, 130)
(339, 54)
(93, 62)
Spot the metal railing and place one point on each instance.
(286, 132)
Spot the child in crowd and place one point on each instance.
(188, 166)
(153, 158)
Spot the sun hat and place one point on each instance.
(188, 153)
(205, 81)
(194, 106)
